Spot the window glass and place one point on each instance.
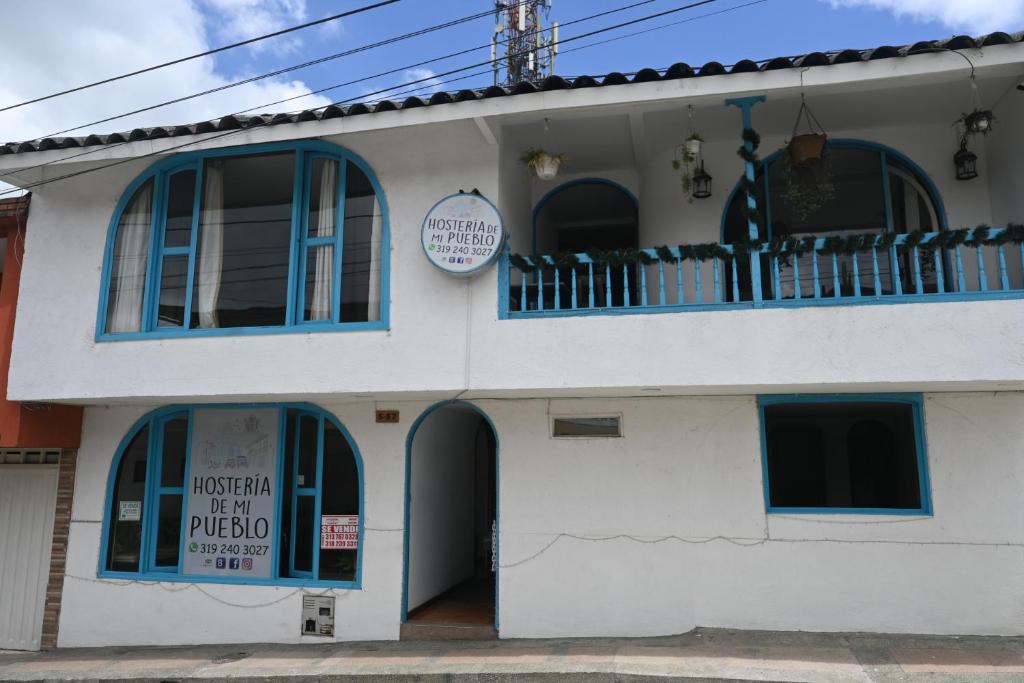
(174, 449)
(128, 264)
(304, 527)
(842, 455)
(361, 258)
(843, 195)
(307, 452)
(585, 426)
(126, 518)
(241, 511)
(244, 242)
(322, 221)
(168, 532)
(173, 281)
(319, 293)
(340, 498)
(180, 199)
(251, 258)
(848, 185)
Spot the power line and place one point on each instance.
(278, 72)
(609, 40)
(223, 48)
(341, 85)
(413, 82)
(327, 58)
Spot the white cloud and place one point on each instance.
(970, 16)
(69, 44)
(237, 20)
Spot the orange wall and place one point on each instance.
(36, 426)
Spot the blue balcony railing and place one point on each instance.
(861, 269)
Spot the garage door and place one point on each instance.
(28, 494)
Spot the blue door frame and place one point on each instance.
(408, 495)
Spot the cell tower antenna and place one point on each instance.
(530, 41)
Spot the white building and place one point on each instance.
(658, 441)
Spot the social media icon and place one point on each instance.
(222, 562)
(247, 564)
(233, 563)
(192, 547)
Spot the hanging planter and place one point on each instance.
(692, 146)
(695, 181)
(978, 122)
(806, 149)
(544, 165)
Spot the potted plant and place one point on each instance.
(685, 160)
(543, 164)
(807, 188)
(978, 121)
(806, 149)
(692, 146)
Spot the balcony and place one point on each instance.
(979, 263)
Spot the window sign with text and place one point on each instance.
(339, 532)
(232, 490)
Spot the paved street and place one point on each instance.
(702, 655)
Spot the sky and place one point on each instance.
(51, 45)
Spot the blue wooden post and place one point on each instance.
(746, 104)
(503, 284)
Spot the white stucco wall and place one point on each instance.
(653, 533)
(929, 346)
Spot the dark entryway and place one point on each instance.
(451, 510)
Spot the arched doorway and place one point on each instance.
(451, 510)
(585, 214)
(580, 216)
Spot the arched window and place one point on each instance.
(584, 214)
(244, 494)
(228, 241)
(859, 187)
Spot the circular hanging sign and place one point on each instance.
(462, 234)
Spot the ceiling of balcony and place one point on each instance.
(602, 139)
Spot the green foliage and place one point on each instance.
(780, 246)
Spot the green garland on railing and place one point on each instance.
(778, 247)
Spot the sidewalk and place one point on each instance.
(701, 655)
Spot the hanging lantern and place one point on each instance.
(701, 183)
(966, 162)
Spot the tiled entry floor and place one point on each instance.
(463, 612)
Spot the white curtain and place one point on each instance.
(323, 268)
(373, 294)
(211, 246)
(129, 282)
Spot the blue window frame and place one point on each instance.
(282, 237)
(318, 478)
(844, 453)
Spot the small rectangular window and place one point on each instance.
(849, 454)
(586, 426)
